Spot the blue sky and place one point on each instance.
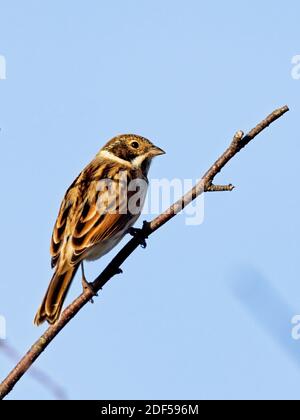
(205, 311)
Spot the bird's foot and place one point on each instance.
(140, 234)
(88, 286)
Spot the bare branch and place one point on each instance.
(219, 188)
(205, 184)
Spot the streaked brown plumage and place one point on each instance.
(81, 231)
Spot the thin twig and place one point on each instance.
(205, 184)
(219, 188)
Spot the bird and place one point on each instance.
(88, 224)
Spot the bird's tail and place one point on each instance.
(51, 306)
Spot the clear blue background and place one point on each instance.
(205, 311)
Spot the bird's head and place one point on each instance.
(134, 149)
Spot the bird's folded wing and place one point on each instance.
(59, 230)
(102, 218)
(89, 216)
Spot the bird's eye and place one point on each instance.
(135, 145)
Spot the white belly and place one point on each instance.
(97, 251)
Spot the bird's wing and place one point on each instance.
(59, 231)
(104, 215)
(93, 211)
(65, 215)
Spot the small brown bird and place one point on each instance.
(95, 214)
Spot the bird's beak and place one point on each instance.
(156, 151)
